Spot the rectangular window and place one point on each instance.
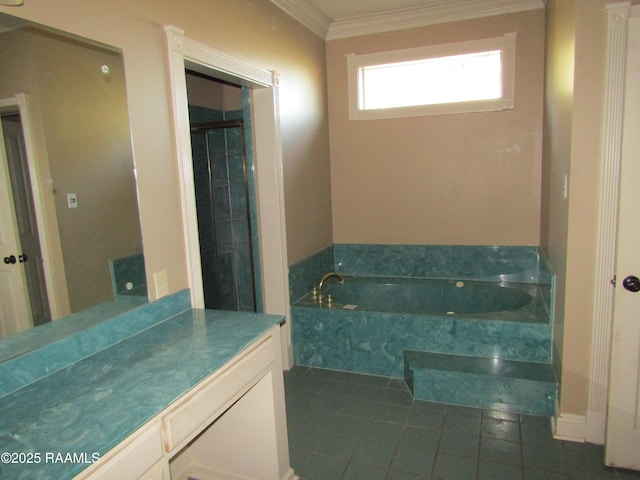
(453, 78)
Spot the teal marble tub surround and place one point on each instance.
(493, 263)
(306, 273)
(374, 342)
(51, 347)
(354, 336)
(457, 262)
(377, 343)
(93, 404)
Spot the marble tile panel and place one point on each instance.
(306, 273)
(439, 261)
(481, 391)
(373, 343)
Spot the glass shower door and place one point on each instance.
(224, 225)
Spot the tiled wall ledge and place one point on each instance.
(306, 273)
(128, 277)
(62, 352)
(493, 263)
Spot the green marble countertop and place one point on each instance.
(90, 406)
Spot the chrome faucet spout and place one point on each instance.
(327, 277)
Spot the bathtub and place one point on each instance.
(520, 302)
(430, 296)
(373, 320)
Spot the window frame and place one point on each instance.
(505, 43)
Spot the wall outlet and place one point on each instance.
(162, 283)
(565, 186)
(72, 200)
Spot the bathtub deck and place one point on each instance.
(499, 360)
(506, 385)
(373, 342)
(458, 344)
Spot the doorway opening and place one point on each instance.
(22, 254)
(225, 196)
(260, 87)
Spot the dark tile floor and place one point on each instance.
(349, 426)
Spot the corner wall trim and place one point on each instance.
(608, 192)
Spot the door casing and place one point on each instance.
(46, 218)
(184, 53)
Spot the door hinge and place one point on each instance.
(613, 281)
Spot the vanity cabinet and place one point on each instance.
(231, 425)
(133, 458)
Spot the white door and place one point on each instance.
(15, 312)
(623, 421)
(30, 255)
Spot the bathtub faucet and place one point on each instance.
(327, 277)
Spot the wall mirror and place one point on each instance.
(68, 165)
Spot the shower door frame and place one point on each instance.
(184, 53)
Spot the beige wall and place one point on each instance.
(208, 93)
(559, 104)
(255, 32)
(469, 179)
(591, 23)
(576, 52)
(573, 123)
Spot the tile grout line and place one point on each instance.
(424, 419)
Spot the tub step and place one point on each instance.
(507, 385)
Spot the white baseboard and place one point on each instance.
(596, 427)
(570, 427)
(290, 475)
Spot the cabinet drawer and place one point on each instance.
(201, 406)
(131, 458)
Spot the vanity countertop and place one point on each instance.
(87, 408)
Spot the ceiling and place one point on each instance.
(332, 19)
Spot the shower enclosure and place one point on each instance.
(223, 206)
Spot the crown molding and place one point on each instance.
(305, 13)
(400, 19)
(403, 19)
